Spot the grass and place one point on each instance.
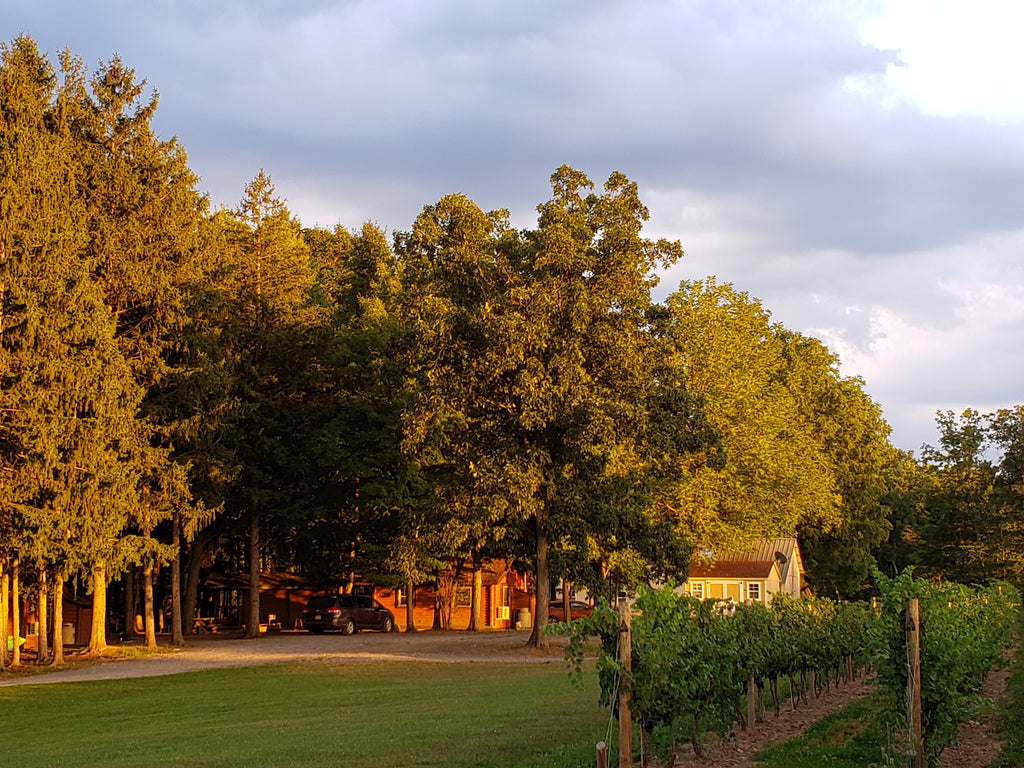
(315, 714)
(853, 737)
(1011, 718)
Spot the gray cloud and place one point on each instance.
(754, 130)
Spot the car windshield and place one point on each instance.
(319, 603)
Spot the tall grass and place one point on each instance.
(313, 714)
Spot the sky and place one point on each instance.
(857, 166)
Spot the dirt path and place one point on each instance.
(977, 743)
(211, 652)
(977, 740)
(790, 723)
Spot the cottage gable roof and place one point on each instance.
(737, 569)
(755, 562)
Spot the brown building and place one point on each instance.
(506, 603)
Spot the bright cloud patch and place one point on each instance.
(959, 57)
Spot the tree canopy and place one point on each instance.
(227, 386)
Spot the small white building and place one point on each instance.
(765, 568)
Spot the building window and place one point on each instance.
(400, 597)
(463, 597)
(697, 590)
(754, 591)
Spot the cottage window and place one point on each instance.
(753, 591)
(697, 590)
(503, 595)
(463, 597)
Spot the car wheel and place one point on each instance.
(388, 624)
(349, 627)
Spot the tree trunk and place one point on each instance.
(58, 620)
(252, 625)
(196, 553)
(475, 612)
(5, 611)
(15, 613)
(538, 639)
(438, 623)
(42, 648)
(410, 605)
(566, 601)
(130, 606)
(177, 637)
(147, 590)
(98, 632)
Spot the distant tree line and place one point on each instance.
(957, 513)
(184, 386)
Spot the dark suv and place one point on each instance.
(349, 613)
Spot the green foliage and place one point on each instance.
(963, 632)
(691, 660)
(799, 447)
(475, 391)
(734, 359)
(973, 528)
(534, 378)
(97, 234)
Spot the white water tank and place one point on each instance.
(524, 621)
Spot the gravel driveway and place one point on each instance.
(207, 652)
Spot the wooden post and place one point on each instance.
(751, 703)
(914, 734)
(602, 755)
(625, 716)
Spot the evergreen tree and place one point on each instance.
(267, 347)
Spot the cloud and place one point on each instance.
(791, 146)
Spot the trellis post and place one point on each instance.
(625, 659)
(914, 735)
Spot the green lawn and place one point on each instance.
(318, 714)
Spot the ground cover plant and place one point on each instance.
(692, 661)
(313, 714)
(964, 630)
(871, 732)
(856, 736)
(1011, 719)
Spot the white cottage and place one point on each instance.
(767, 567)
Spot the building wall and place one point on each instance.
(737, 590)
(423, 608)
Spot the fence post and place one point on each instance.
(602, 755)
(916, 739)
(751, 703)
(626, 660)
